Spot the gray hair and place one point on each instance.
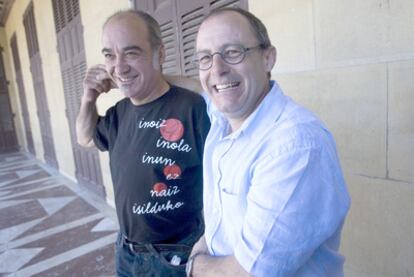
(153, 27)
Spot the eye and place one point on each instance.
(108, 56)
(232, 52)
(203, 58)
(132, 55)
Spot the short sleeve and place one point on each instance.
(105, 130)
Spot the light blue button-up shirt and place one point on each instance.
(274, 194)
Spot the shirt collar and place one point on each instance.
(268, 112)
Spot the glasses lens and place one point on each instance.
(202, 60)
(233, 54)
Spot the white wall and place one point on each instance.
(352, 63)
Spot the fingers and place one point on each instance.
(112, 83)
(96, 81)
(95, 78)
(104, 75)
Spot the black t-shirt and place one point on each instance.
(156, 152)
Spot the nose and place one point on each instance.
(120, 65)
(219, 66)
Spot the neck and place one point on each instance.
(159, 90)
(236, 123)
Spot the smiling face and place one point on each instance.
(236, 90)
(129, 59)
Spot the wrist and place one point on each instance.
(89, 100)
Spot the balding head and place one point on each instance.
(153, 28)
(256, 25)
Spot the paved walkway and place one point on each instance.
(49, 226)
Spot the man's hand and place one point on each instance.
(96, 81)
(206, 265)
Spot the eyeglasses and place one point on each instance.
(232, 54)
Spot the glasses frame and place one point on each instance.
(197, 63)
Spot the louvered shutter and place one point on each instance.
(72, 58)
(180, 20)
(22, 94)
(190, 15)
(164, 11)
(39, 87)
(217, 4)
(8, 139)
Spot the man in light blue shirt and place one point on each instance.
(275, 199)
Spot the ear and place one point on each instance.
(161, 53)
(270, 55)
(158, 57)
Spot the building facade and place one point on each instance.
(351, 62)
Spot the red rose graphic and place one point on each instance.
(159, 187)
(172, 130)
(172, 172)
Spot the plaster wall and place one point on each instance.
(352, 62)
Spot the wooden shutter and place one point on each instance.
(180, 20)
(164, 12)
(39, 87)
(8, 139)
(190, 15)
(217, 4)
(22, 94)
(72, 58)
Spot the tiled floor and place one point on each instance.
(50, 226)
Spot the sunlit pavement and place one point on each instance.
(50, 226)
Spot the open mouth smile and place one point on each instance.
(126, 79)
(226, 86)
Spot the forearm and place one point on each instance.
(86, 123)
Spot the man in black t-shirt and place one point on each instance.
(155, 138)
